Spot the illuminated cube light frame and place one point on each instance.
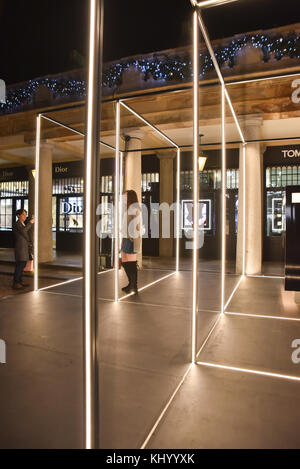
(39, 121)
(118, 190)
(197, 22)
(225, 97)
(90, 434)
(119, 161)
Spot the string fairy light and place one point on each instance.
(159, 67)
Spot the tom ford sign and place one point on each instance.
(287, 155)
(2, 92)
(293, 153)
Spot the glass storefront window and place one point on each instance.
(6, 214)
(186, 182)
(278, 177)
(210, 179)
(275, 213)
(53, 213)
(14, 189)
(68, 186)
(236, 213)
(282, 176)
(205, 215)
(107, 215)
(107, 184)
(147, 179)
(71, 214)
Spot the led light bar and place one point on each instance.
(253, 372)
(210, 3)
(117, 202)
(144, 445)
(223, 242)
(74, 130)
(36, 203)
(148, 285)
(195, 183)
(178, 212)
(90, 388)
(244, 210)
(136, 114)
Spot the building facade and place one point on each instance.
(268, 109)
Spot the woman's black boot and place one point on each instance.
(132, 274)
(135, 277)
(126, 267)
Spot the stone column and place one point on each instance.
(251, 125)
(133, 169)
(167, 196)
(45, 204)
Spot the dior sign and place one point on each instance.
(60, 170)
(71, 208)
(2, 92)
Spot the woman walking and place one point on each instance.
(131, 243)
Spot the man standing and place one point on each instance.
(22, 247)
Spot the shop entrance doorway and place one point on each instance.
(8, 209)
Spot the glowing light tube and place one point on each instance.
(244, 210)
(233, 293)
(178, 212)
(253, 372)
(144, 445)
(87, 299)
(136, 114)
(211, 3)
(36, 203)
(74, 130)
(91, 398)
(148, 285)
(234, 115)
(117, 202)
(196, 182)
(223, 202)
(275, 77)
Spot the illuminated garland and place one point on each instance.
(159, 67)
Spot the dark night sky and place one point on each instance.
(38, 37)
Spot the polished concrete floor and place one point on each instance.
(73, 263)
(145, 351)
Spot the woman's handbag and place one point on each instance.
(29, 266)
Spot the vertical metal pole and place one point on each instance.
(117, 202)
(36, 202)
(223, 247)
(178, 212)
(196, 184)
(91, 246)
